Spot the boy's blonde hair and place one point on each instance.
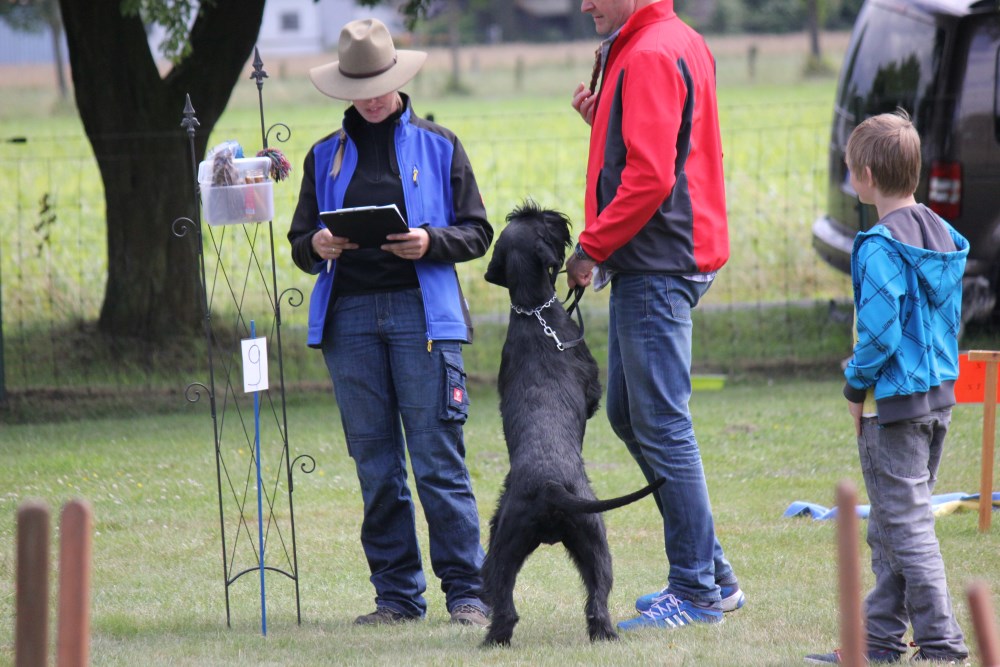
(889, 145)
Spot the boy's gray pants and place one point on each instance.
(900, 462)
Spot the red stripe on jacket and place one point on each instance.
(655, 199)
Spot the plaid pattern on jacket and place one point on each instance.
(907, 277)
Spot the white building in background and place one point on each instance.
(289, 27)
(303, 26)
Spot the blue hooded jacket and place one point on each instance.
(907, 276)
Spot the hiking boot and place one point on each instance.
(672, 612)
(922, 656)
(732, 598)
(469, 614)
(874, 657)
(384, 616)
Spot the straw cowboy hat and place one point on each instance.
(369, 65)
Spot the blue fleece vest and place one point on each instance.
(424, 159)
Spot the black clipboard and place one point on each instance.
(366, 225)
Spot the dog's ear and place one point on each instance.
(550, 257)
(496, 272)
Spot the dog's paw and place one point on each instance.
(492, 641)
(606, 634)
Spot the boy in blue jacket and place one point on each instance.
(907, 277)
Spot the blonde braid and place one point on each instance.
(338, 157)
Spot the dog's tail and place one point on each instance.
(560, 497)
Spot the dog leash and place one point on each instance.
(576, 293)
(549, 331)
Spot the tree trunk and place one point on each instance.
(132, 118)
(55, 29)
(454, 45)
(812, 20)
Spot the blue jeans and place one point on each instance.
(388, 384)
(649, 384)
(899, 462)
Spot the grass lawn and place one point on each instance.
(158, 595)
(145, 460)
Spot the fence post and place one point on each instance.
(852, 636)
(73, 643)
(991, 358)
(984, 623)
(31, 618)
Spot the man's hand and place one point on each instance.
(856, 409)
(583, 102)
(579, 271)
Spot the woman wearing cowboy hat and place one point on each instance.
(391, 320)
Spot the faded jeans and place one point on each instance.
(899, 462)
(649, 385)
(388, 384)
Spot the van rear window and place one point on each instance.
(891, 63)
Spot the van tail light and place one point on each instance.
(945, 192)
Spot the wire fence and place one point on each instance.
(775, 305)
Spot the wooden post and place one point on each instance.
(31, 612)
(981, 608)
(989, 428)
(73, 642)
(852, 635)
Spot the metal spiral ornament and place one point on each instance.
(193, 392)
(294, 298)
(180, 226)
(283, 133)
(306, 466)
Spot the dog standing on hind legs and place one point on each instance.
(549, 388)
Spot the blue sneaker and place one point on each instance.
(732, 598)
(874, 657)
(672, 612)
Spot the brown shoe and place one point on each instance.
(384, 616)
(469, 614)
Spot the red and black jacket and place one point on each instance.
(655, 199)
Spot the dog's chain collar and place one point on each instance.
(549, 331)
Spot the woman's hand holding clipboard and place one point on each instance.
(380, 227)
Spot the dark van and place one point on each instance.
(939, 60)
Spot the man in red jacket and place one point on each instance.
(656, 230)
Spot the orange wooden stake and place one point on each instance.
(984, 623)
(31, 615)
(73, 642)
(989, 435)
(852, 636)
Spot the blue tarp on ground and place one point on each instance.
(946, 503)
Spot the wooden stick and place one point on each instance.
(852, 635)
(981, 608)
(73, 642)
(989, 428)
(31, 616)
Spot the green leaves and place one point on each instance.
(174, 16)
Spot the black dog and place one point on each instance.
(548, 387)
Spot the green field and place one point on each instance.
(158, 596)
(524, 142)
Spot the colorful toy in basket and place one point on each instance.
(235, 189)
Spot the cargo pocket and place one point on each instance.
(455, 401)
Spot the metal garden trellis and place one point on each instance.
(223, 356)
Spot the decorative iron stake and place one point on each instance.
(303, 462)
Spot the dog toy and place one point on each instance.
(280, 166)
(224, 170)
